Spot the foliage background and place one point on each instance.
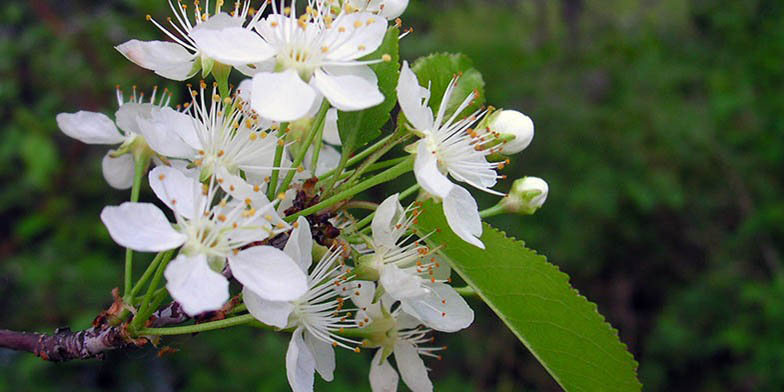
(659, 128)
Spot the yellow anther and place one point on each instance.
(386, 58)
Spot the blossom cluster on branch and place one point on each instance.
(258, 183)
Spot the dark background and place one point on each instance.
(659, 129)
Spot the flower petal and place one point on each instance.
(387, 215)
(413, 99)
(462, 215)
(89, 127)
(194, 285)
(427, 174)
(323, 354)
(269, 273)
(178, 191)
(167, 59)
(118, 171)
(354, 42)
(348, 88)
(281, 96)
(331, 134)
(300, 364)
(232, 45)
(361, 292)
(300, 244)
(383, 378)
(412, 368)
(274, 313)
(141, 226)
(329, 159)
(400, 284)
(443, 309)
(160, 132)
(127, 114)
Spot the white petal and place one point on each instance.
(462, 215)
(331, 134)
(300, 364)
(300, 244)
(178, 191)
(274, 313)
(118, 171)
(361, 292)
(220, 21)
(89, 127)
(443, 309)
(127, 113)
(399, 284)
(323, 354)
(413, 99)
(354, 42)
(232, 45)
(240, 189)
(281, 96)
(269, 273)
(244, 89)
(252, 69)
(411, 367)
(329, 159)
(348, 88)
(393, 8)
(141, 226)
(387, 215)
(167, 59)
(194, 285)
(427, 174)
(383, 378)
(181, 124)
(164, 140)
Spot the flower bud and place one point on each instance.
(514, 128)
(527, 195)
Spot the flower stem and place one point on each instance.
(188, 329)
(397, 138)
(366, 220)
(497, 209)
(145, 310)
(147, 274)
(278, 158)
(359, 157)
(466, 291)
(140, 165)
(387, 175)
(316, 128)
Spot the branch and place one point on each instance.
(94, 342)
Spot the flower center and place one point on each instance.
(302, 60)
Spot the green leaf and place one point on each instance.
(439, 70)
(560, 327)
(360, 127)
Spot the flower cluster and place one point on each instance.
(252, 186)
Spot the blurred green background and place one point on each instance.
(660, 128)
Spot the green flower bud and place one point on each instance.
(527, 195)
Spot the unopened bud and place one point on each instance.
(527, 195)
(514, 128)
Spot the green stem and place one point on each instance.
(497, 209)
(359, 157)
(316, 128)
(317, 147)
(366, 220)
(147, 274)
(387, 175)
(188, 329)
(359, 204)
(398, 137)
(466, 291)
(138, 172)
(344, 158)
(145, 310)
(278, 158)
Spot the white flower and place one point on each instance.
(401, 336)
(97, 128)
(300, 59)
(389, 9)
(214, 133)
(317, 315)
(410, 273)
(181, 59)
(449, 146)
(209, 235)
(514, 128)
